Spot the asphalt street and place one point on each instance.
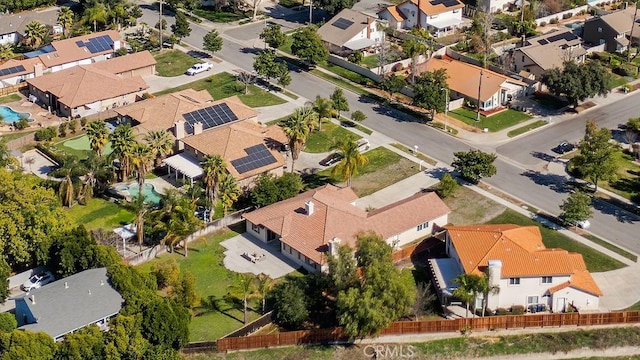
(518, 162)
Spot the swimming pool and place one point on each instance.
(151, 196)
(10, 116)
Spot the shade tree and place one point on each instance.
(596, 160)
(578, 82)
(212, 41)
(576, 208)
(273, 36)
(430, 91)
(308, 46)
(474, 165)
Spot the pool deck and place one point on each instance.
(40, 115)
(161, 185)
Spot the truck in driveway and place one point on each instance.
(198, 68)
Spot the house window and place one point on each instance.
(514, 281)
(599, 29)
(531, 300)
(423, 226)
(522, 58)
(547, 279)
(255, 228)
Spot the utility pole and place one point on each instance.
(633, 24)
(160, 25)
(446, 108)
(310, 12)
(522, 20)
(479, 88)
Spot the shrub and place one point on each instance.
(626, 70)
(73, 125)
(554, 20)
(517, 310)
(501, 311)
(83, 122)
(46, 134)
(166, 273)
(397, 67)
(23, 123)
(447, 186)
(62, 129)
(582, 12)
(544, 23)
(567, 16)
(8, 322)
(355, 57)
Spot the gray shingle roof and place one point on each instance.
(18, 22)
(60, 309)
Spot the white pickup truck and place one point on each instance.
(198, 68)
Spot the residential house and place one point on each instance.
(61, 55)
(440, 17)
(464, 81)
(518, 264)
(12, 26)
(204, 127)
(350, 31)
(548, 51)
(613, 30)
(89, 89)
(310, 226)
(69, 304)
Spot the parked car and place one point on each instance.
(585, 224)
(563, 148)
(198, 68)
(363, 144)
(331, 159)
(38, 280)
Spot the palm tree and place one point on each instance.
(95, 14)
(485, 287)
(124, 144)
(352, 159)
(65, 19)
(35, 33)
(6, 52)
(243, 288)
(297, 128)
(182, 222)
(98, 135)
(263, 285)
(323, 107)
(467, 288)
(412, 48)
(141, 158)
(160, 144)
(214, 168)
(141, 209)
(69, 169)
(229, 191)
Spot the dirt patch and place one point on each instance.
(367, 184)
(469, 207)
(585, 106)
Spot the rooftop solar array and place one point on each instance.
(211, 116)
(543, 42)
(97, 44)
(257, 157)
(568, 36)
(447, 3)
(342, 23)
(11, 70)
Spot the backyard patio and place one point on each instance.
(246, 254)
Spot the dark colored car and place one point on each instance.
(563, 148)
(331, 159)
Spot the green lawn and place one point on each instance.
(217, 16)
(495, 122)
(224, 85)
(286, 47)
(205, 262)
(524, 129)
(612, 247)
(100, 214)
(627, 184)
(595, 260)
(9, 98)
(79, 146)
(419, 155)
(173, 63)
(323, 141)
(16, 135)
(370, 61)
(617, 80)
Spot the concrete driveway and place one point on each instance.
(620, 287)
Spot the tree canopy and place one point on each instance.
(473, 165)
(273, 35)
(429, 91)
(577, 81)
(308, 46)
(181, 27)
(270, 189)
(212, 41)
(266, 64)
(576, 208)
(597, 155)
(334, 6)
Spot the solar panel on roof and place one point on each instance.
(99, 44)
(568, 36)
(211, 116)
(543, 42)
(80, 43)
(257, 157)
(12, 70)
(342, 23)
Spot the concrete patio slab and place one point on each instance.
(273, 263)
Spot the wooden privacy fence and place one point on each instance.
(336, 335)
(13, 88)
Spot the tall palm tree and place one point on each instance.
(160, 145)
(141, 158)
(182, 223)
(65, 19)
(141, 208)
(229, 191)
(243, 288)
(413, 48)
(352, 159)
(6, 52)
(35, 33)
(485, 287)
(95, 14)
(297, 128)
(214, 168)
(467, 289)
(323, 107)
(69, 169)
(98, 135)
(124, 144)
(263, 285)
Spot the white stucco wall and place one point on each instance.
(414, 234)
(411, 12)
(455, 15)
(11, 38)
(259, 232)
(495, 5)
(375, 35)
(298, 258)
(579, 299)
(510, 295)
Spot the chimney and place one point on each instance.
(494, 274)
(309, 207)
(179, 130)
(334, 245)
(116, 45)
(197, 128)
(66, 285)
(38, 69)
(33, 299)
(368, 27)
(418, 21)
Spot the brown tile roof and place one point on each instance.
(581, 279)
(68, 51)
(230, 142)
(335, 217)
(160, 113)
(430, 9)
(85, 84)
(464, 78)
(393, 10)
(126, 63)
(28, 65)
(521, 251)
(337, 36)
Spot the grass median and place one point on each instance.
(496, 122)
(524, 129)
(323, 141)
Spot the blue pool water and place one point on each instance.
(10, 116)
(150, 194)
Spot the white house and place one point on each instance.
(350, 31)
(519, 265)
(438, 16)
(12, 26)
(311, 225)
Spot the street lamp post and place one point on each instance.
(446, 108)
(310, 12)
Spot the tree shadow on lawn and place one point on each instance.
(389, 109)
(557, 183)
(221, 305)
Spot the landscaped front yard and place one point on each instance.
(80, 147)
(224, 85)
(173, 63)
(100, 214)
(627, 184)
(324, 140)
(497, 122)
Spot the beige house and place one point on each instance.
(440, 17)
(548, 51)
(350, 31)
(310, 226)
